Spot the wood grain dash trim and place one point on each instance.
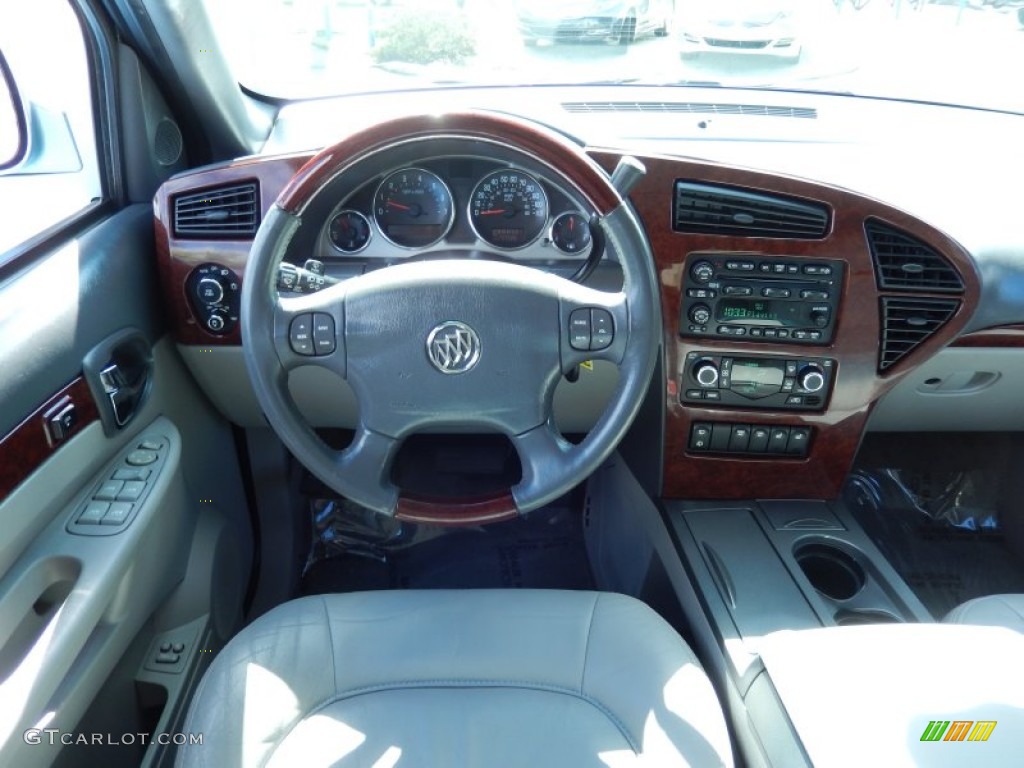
(26, 447)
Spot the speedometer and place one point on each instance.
(413, 208)
(508, 209)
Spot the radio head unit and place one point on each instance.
(745, 297)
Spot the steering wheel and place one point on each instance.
(456, 345)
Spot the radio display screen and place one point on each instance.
(758, 312)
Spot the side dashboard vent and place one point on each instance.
(219, 212)
(907, 323)
(720, 210)
(904, 263)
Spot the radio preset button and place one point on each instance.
(702, 271)
(739, 266)
(783, 333)
(814, 294)
(737, 290)
(756, 332)
(800, 335)
(817, 269)
(776, 293)
(770, 333)
(732, 330)
(701, 293)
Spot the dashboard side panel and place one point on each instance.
(1003, 336)
(837, 431)
(177, 257)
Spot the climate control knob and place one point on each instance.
(811, 378)
(700, 314)
(702, 271)
(706, 373)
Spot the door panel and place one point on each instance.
(72, 604)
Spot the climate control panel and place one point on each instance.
(757, 381)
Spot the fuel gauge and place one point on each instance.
(570, 232)
(349, 231)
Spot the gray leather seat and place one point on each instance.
(453, 678)
(991, 610)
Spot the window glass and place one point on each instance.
(44, 46)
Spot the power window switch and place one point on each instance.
(109, 490)
(132, 490)
(93, 513)
(117, 514)
(151, 445)
(167, 658)
(131, 474)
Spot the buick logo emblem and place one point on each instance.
(453, 347)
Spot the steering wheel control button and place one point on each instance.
(93, 513)
(453, 347)
(579, 329)
(324, 342)
(602, 329)
(117, 514)
(109, 490)
(140, 458)
(300, 335)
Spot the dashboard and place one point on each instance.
(790, 307)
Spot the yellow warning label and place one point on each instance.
(588, 364)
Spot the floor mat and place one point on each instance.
(942, 563)
(545, 550)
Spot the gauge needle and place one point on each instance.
(399, 206)
(492, 212)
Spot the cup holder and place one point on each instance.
(831, 571)
(847, 618)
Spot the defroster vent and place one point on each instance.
(909, 322)
(904, 263)
(218, 212)
(721, 210)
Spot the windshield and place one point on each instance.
(946, 51)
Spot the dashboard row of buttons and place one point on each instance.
(760, 332)
(778, 268)
(768, 293)
(591, 329)
(742, 438)
(112, 503)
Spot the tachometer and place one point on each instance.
(413, 208)
(508, 209)
(571, 232)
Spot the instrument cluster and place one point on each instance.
(457, 204)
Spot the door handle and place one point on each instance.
(118, 373)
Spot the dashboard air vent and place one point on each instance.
(720, 210)
(220, 212)
(688, 108)
(906, 323)
(904, 263)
